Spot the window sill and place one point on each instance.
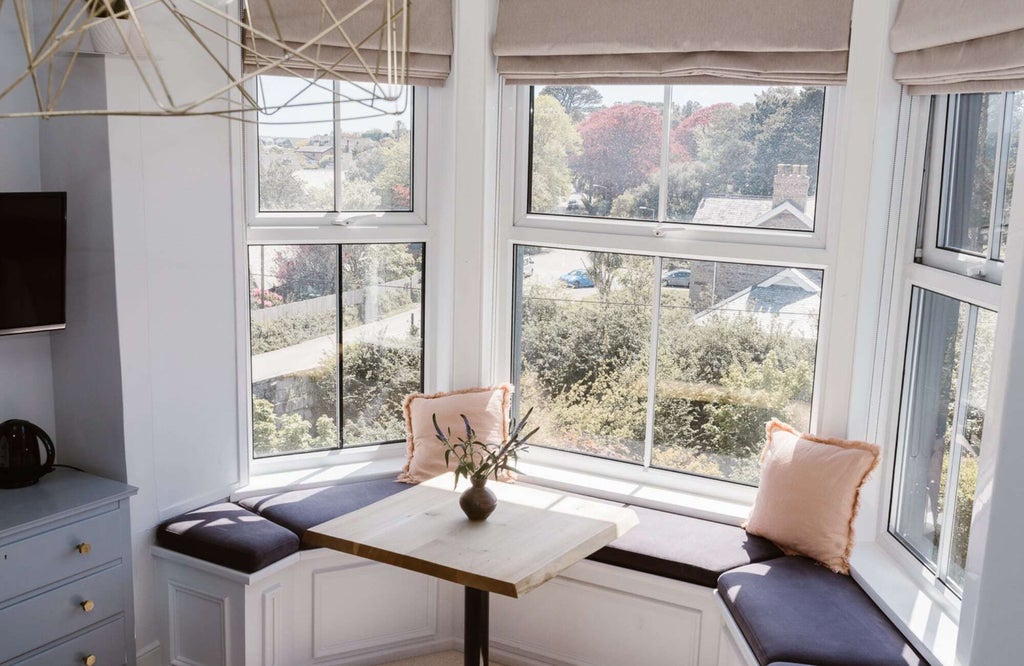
(582, 475)
(640, 487)
(378, 467)
(928, 621)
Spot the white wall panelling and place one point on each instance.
(323, 607)
(314, 607)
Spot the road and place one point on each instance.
(307, 355)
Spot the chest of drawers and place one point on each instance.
(65, 573)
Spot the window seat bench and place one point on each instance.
(788, 610)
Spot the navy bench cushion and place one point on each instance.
(298, 510)
(689, 549)
(792, 610)
(228, 535)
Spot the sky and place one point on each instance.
(281, 89)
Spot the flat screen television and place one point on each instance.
(33, 229)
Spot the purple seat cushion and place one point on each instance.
(228, 535)
(692, 550)
(298, 510)
(792, 610)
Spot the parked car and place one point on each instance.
(577, 278)
(573, 205)
(679, 277)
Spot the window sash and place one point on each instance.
(255, 219)
(917, 328)
(943, 160)
(517, 104)
(515, 360)
(339, 374)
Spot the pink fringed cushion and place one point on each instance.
(809, 493)
(486, 408)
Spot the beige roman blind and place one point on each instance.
(946, 46)
(300, 22)
(673, 41)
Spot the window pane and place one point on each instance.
(296, 146)
(745, 156)
(382, 338)
(298, 388)
(584, 323)
(974, 419)
(972, 165)
(737, 155)
(375, 157)
(928, 428)
(941, 429)
(1016, 122)
(592, 144)
(293, 314)
(736, 348)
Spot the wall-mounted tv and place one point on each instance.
(33, 228)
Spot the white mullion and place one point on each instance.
(652, 363)
(999, 175)
(909, 384)
(666, 147)
(956, 445)
(336, 112)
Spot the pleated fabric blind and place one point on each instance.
(299, 22)
(947, 46)
(673, 41)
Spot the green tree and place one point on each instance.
(279, 188)
(601, 268)
(307, 271)
(785, 129)
(555, 142)
(578, 101)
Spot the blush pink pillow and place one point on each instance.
(809, 493)
(486, 408)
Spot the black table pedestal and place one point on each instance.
(475, 639)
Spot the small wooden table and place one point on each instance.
(532, 536)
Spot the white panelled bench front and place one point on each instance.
(239, 589)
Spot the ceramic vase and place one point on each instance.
(478, 501)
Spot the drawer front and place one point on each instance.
(40, 620)
(105, 643)
(45, 558)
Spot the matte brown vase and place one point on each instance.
(478, 502)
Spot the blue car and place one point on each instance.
(577, 278)
(680, 277)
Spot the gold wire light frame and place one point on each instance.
(381, 88)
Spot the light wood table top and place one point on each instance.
(532, 535)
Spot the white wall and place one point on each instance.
(26, 382)
(173, 234)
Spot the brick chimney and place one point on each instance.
(791, 184)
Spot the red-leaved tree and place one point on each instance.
(684, 135)
(621, 147)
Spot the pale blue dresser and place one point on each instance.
(66, 573)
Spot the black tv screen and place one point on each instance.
(32, 258)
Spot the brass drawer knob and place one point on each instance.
(88, 605)
(90, 660)
(83, 548)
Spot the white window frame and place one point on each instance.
(815, 250)
(943, 140)
(896, 332)
(416, 226)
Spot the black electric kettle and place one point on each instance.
(20, 462)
